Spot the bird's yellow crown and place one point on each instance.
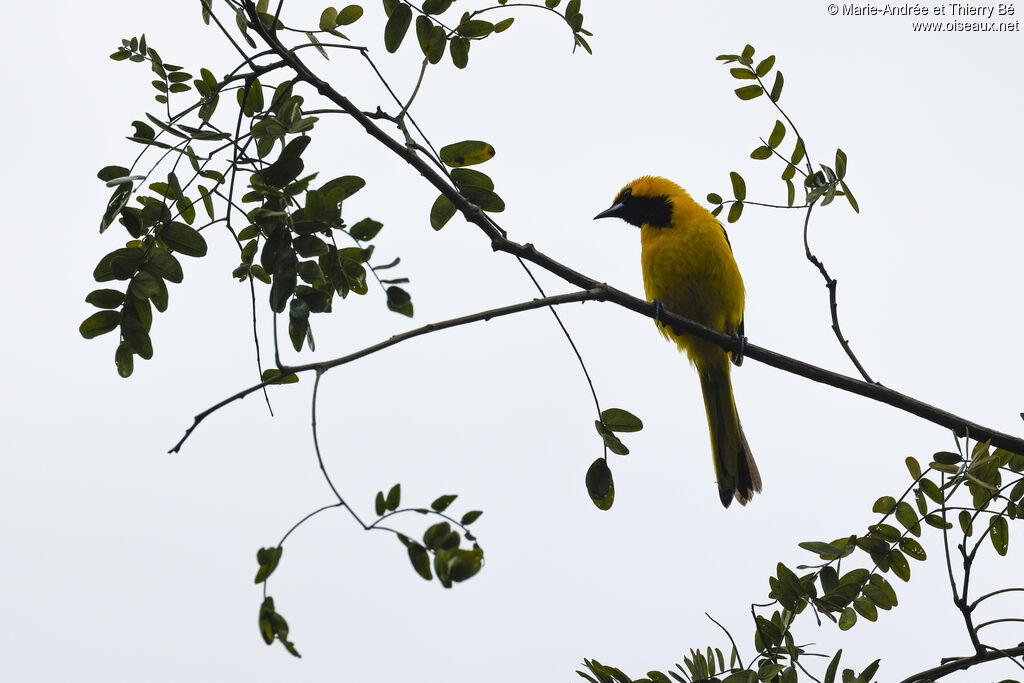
(650, 200)
(651, 186)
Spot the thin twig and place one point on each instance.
(433, 327)
(831, 285)
(961, 664)
(739, 657)
(993, 594)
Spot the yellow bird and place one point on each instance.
(689, 268)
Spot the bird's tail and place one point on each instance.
(735, 468)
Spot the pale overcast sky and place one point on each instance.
(124, 563)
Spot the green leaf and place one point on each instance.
(906, 516)
(471, 517)
(884, 505)
(441, 212)
(475, 28)
(913, 466)
(183, 239)
(394, 497)
(99, 323)
(765, 66)
(898, 563)
(833, 667)
(612, 442)
(742, 74)
(271, 373)
(459, 50)
(484, 198)
(735, 211)
(931, 489)
(776, 92)
(468, 177)
(464, 564)
(436, 6)
(466, 153)
(761, 153)
(913, 549)
(420, 560)
(442, 502)
(947, 458)
(268, 559)
(340, 189)
(399, 301)
(349, 15)
(436, 534)
(866, 609)
(365, 229)
(825, 551)
(379, 504)
(124, 359)
(298, 324)
(328, 19)
(714, 198)
(847, 619)
(118, 200)
(849, 197)
(840, 164)
(108, 173)
(105, 298)
(778, 133)
(619, 420)
(600, 485)
(503, 25)
(162, 262)
(397, 27)
(966, 523)
(999, 532)
(749, 92)
(869, 671)
(739, 188)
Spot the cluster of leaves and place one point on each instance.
(600, 485)
(825, 184)
(710, 667)
(272, 625)
(145, 264)
(452, 564)
(994, 484)
(433, 35)
(170, 78)
(472, 184)
(292, 228)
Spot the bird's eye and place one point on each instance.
(626, 194)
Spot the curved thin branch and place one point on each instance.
(993, 594)
(593, 295)
(831, 285)
(998, 621)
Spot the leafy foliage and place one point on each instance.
(985, 482)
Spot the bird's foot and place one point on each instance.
(737, 355)
(659, 310)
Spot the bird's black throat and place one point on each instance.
(653, 211)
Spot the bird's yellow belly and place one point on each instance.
(694, 275)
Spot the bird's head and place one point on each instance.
(645, 201)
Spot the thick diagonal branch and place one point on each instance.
(476, 216)
(962, 664)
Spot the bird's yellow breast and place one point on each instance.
(690, 268)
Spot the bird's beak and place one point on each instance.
(611, 212)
